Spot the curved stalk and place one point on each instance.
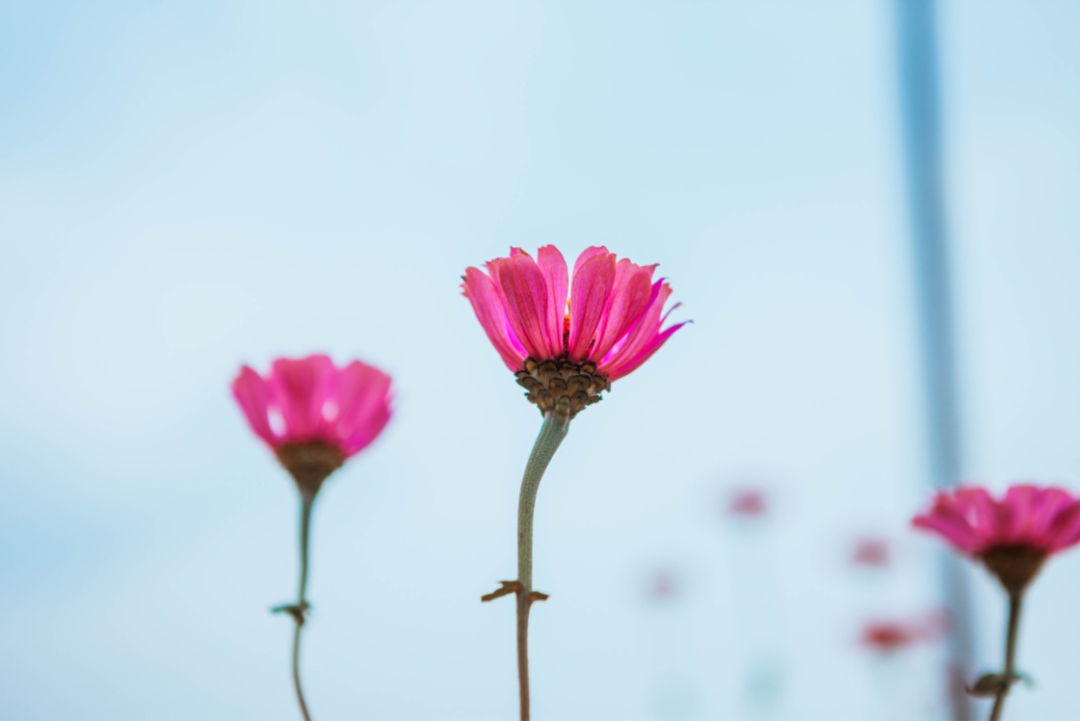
(1015, 602)
(551, 435)
(306, 502)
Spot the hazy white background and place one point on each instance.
(185, 186)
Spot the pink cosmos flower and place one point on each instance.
(310, 410)
(313, 415)
(611, 325)
(1012, 536)
(1043, 519)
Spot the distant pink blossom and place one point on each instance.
(745, 502)
(614, 317)
(872, 552)
(889, 635)
(663, 585)
(310, 400)
(894, 634)
(1043, 520)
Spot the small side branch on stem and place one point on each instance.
(509, 587)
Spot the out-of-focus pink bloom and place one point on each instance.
(747, 502)
(1046, 520)
(312, 401)
(663, 585)
(889, 635)
(614, 317)
(893, 635)
(872, 552)
(1013, 536)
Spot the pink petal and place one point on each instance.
(300, 388)
(369, 428)
(946, 520)
(588, 254)
(1048, 503)
(958, 536)
(644, 339)
(488, 307)
(1064, 531)
(634, 363)
(363, 396)
(553, 266)
(524, 293)
(629, 299)
(364, 436)
(253, 395)
(592, 283)
(645, 330)
(980, 510)
(1016, 513)
(973, 506)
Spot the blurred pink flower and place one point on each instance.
(663, 585)
(613, 318)
(1012, 536)
(313, 413)
(1042, 519)
(873, 552)
(892, 635)
(888, 635)
(747, 502)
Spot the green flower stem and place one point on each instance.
(1015, 603)
(307, 500)
(551, 435)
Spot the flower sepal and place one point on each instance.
(1014, 566)
(310, 463)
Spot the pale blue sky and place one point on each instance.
(188, 186)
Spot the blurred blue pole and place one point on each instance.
(919, 104)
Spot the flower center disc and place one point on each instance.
(561, 385)
(1014, 566)
(310, 463)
